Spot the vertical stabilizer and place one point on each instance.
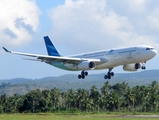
(50, 47)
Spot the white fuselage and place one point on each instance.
(114, 57)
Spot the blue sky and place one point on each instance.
(75, 26)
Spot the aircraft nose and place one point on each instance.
(154, 52)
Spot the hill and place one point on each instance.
(22, 85)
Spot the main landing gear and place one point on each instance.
(109, 74)
(83, 74)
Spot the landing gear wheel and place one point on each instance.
(143, 67)
(83, 76)
(109, 77)
(79, 76)
(108, 74)
(112, 74)
(86, 73)
(105, 77)
(82, 73)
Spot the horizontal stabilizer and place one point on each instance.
(6, 50)
(33, 59)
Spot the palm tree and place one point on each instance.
(106, 89)
(129, 96)
(71, 98)
(82, 95)
(100, 102)
(4, 102)
(45, 101)
(154, 95)
(94, 94)
(55, 96)
(16, 102)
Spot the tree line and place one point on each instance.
(116, 98)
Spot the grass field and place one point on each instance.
(75, 117)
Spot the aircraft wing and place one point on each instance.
(45, 58)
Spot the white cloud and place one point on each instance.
(137, 5)
(88, 24)
(19, 19)
(154, 19)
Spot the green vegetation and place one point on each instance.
(119, 98)
(69, 117)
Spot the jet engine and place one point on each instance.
(132, 67)
(86, 65)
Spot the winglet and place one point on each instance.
(52, 51)
(6, 50)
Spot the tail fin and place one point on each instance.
(50, 47)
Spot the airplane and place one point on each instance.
(131, 58)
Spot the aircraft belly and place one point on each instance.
(71, 66)
(117, 60)
(105, 66)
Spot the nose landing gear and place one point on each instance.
(143, 67)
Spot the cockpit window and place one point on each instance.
(149, 48)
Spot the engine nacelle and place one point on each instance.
(86, 65)
(132, 67)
